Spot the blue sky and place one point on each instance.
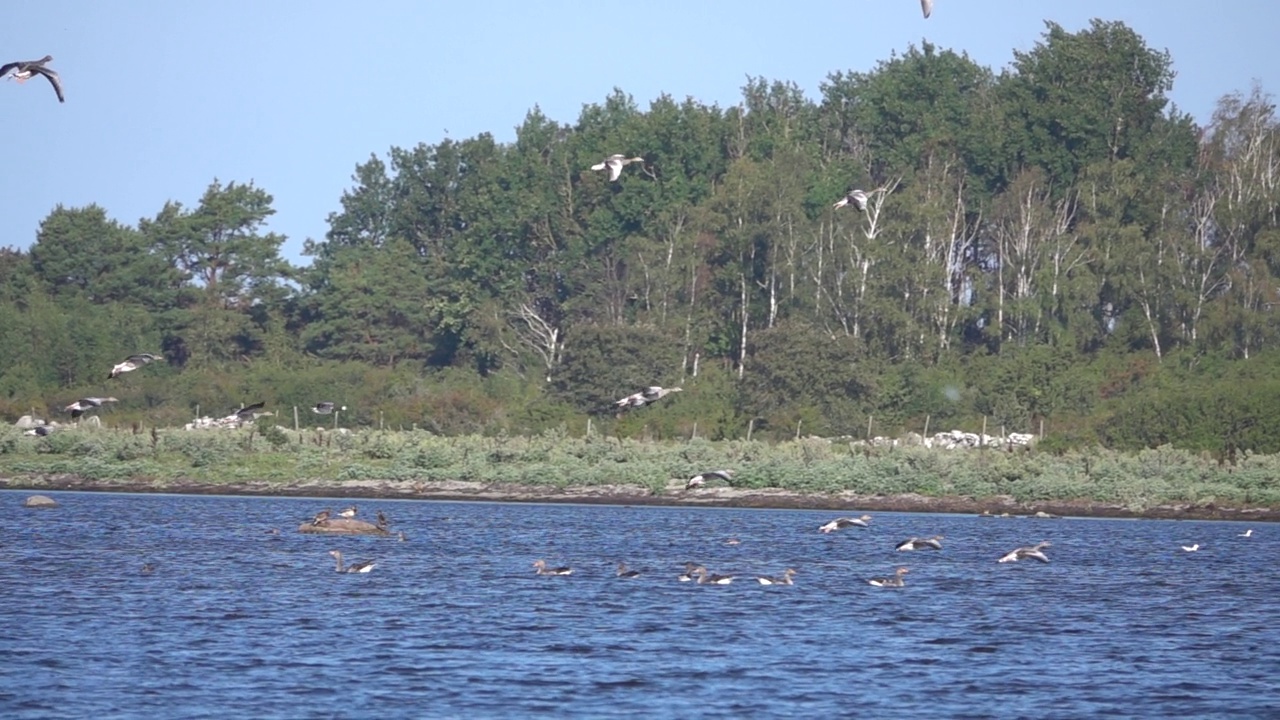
(162, 97)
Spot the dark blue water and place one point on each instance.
(237, 622)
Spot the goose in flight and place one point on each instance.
(648, 395)
(844, 522)
(22, 70)
(615, 163)
(926, 7)
(82, 405)
(857, 198)
(700, 478)
(1033, 552)
(361, 567)
(248, 413)
(895, 581)
(933, 543)
(133, 362)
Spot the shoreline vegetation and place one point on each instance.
(808, 473)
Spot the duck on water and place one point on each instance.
(360, 567)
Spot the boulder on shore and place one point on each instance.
(342, 526)
(40, 501)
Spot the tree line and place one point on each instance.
(1054, 241)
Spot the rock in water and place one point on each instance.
(40, 501)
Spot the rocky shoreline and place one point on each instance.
(675, 495)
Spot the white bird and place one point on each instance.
(1191, 548)
(362, 567)
(857, 198)
(926, 6)
(648, 395)
(700, 478)
(348, 512)
(82, 405)
(844, 522)
(541, 565)
(895, 581)
(1033, 552)
(933, 543)
(615, 163)
(1247, 533)
(131, 363)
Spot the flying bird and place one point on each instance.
(933, 543)
(844, 522)
(133, 362)
(653, 393)
(248, 412)
(82, 405)
(700, 478)
(857, 198)
(22, 70)
(615, 163)
(926, 6)
(1033, 552)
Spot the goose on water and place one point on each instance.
(844, 522)
(1191, 548)
(1247, 533)
(701, 478)
(541, 565)
(690, 570)
(785, 579)
(705, 578)
(615, 163)
(361, 567)
(894, 581)
(932, 543)
(82, 405)
(131, 363)
(624, 572)
(653, 393)
(1034, 552)
(22, 70)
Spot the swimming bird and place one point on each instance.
(690, 569)
(1191, 548)
(22, 70)
(895, 581)
(382, 520)
(544, 570)
(784, 580)
(1247, 533)
(326, 408)
(348, 512)
(926, 6)
(148, 568)
(623, 572)
(700, 478)
(933, 543)
(82, 405)
(615, 163)
(131, 363)
(1022, 553)
(362, 567)
(648, 395)
(732, 541)
(321, 517)
(705, 578)
(844, 522)
(857, 198)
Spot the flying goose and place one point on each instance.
(22, 70)
(362, 567)
(916, 543)
(705, 578)
(895, 581)
(615, 163)
(926, 6)
(326, 408)
(648, 395)
(784, 580)
(623, 572)
(248, 413)
(131, 363)
(857, 198)
(1023, 553)
(844, 522)
(700, 478)
(544, 570)
(82, 405)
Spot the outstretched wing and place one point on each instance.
(54, 80)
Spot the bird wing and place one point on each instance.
(615, 169)
(722, 474)
(249, 409)
(140, 359)
(54, 80)
(599, 166)
(5, 68)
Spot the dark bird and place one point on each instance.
(42, 430)
(321, 517)
(1023, 553)
(895, 581)
(705, 578)
(82, 405)
(541, 565)
(700, 478)
(361, 567)
(690, 569)
(653, 393)
(248, 413)
(326, 408)
(933, 543)
(382, 520)
(133, 362)
(844, 522)
(857, 198)
(22, 70)
(624, 572)
(615, 163)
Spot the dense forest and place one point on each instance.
(1050, 245)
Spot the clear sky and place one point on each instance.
(164, 96)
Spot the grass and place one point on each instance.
(268, 454)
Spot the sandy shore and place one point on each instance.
(636, 495)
